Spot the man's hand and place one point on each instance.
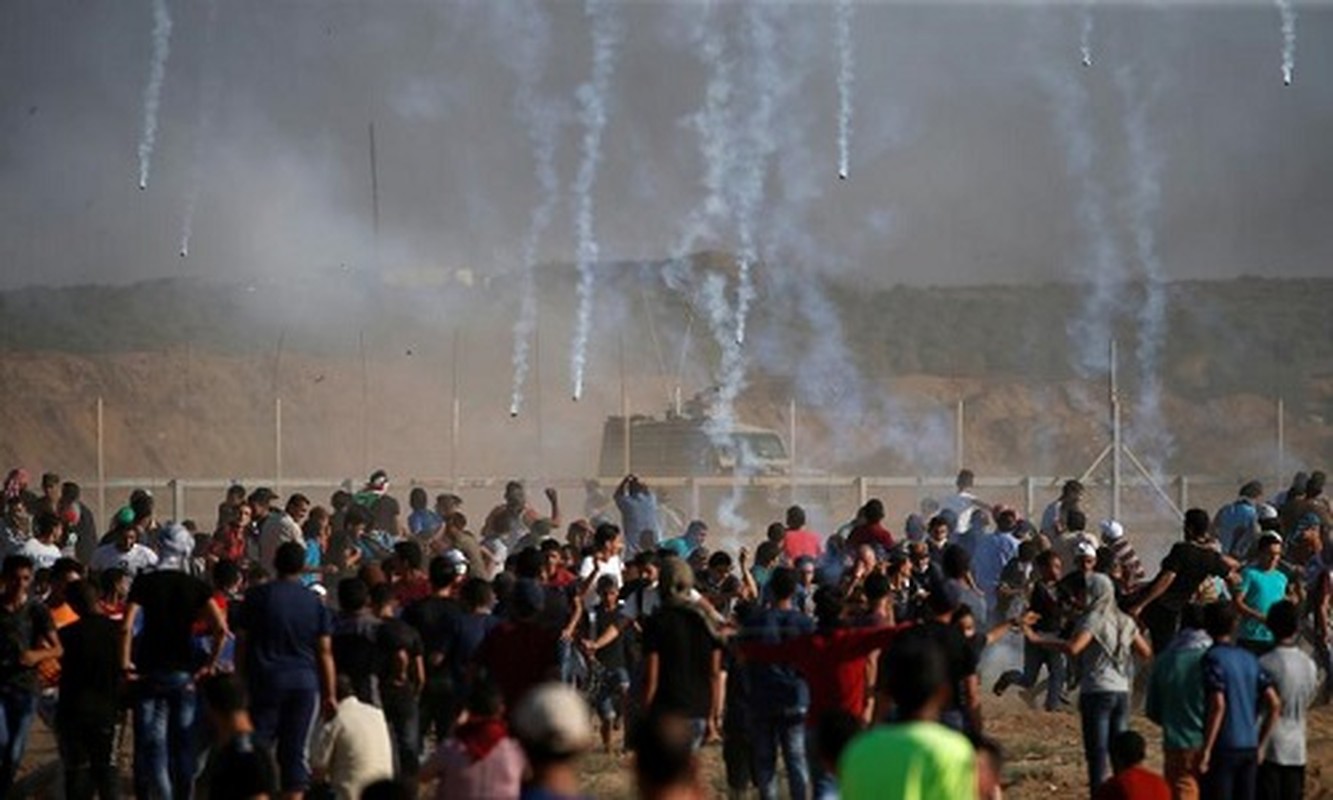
(1204, 758)
(551, 493)
(743, 557)
(328, 708)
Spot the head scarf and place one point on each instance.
(1111, 628)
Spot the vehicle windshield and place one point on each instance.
(762, 446)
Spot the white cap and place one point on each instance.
(555, 718)
(1085, 550)
(1266, 511)
(1112, 530)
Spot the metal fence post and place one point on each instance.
(177, 499)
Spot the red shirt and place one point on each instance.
(871, 534)
(833, 663)
(1135, 783)
(801, 542)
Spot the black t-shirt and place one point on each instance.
(20, 630)
(437, 620)
(960, 657)
(1192, 564)
(170, 603)
(89, 670)
(612, 656)
(684, 646)
(395, 636)
(1046, 602)
(354, 652)
(241, 770)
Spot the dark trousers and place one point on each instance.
(440, 707)
(283, 721)
(402, 711)
(1279, 782)
(1162, 625)
(1231, 774)
(86, 753)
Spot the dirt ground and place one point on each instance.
(1043, 751)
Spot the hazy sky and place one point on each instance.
(961, 140)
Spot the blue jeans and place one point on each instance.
(1103, 715)
(164, 722)
(18, 707)
(767, 736)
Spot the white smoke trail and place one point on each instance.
(1144, 206)
(526, 22)
(1288, 11)
(544, 131)
(606, 31)
(152, 96)
(1092, 329)
(757, 146)
(842, 22)
(208, 93)
(1085, 34)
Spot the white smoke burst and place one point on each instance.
(1288, 12)
(842, 23)
(592, 96)
(152, 96)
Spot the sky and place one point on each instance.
(980, 149)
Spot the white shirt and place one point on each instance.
(596, 568)
(353, 748)
(278, 528)
(962, 505)
(138, 559)
(43, 555)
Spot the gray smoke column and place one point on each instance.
(1288, 12)
(209, 88)
(526, 23)
(1144, 207)
(842, 24)
(1085, 34)
(592, 96)
(152, 95)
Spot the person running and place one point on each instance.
(1188, 565)
(915, 757)
(1047, 605)
(1105, 641)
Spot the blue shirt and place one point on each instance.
(423, 521)
(1235, 522)
(1260, 590)
(283, 622)
(993, 552)
(638, 513)
(313, 558)
(777, 689)
(1235, 672)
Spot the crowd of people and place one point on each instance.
(359, 650)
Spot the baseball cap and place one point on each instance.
(553, 719)
(1112, 530)
(1085, 550)
(1270, 536)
